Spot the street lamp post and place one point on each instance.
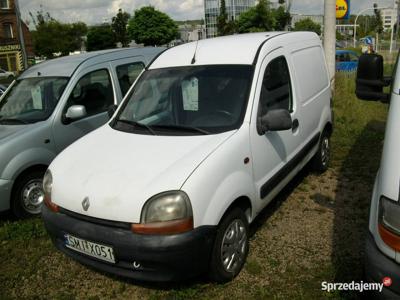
(355, 22)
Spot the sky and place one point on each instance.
(96, 11)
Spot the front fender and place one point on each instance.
(26, 159)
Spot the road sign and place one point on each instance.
(342, 9)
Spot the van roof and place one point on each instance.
(65, 66)
(234, 49)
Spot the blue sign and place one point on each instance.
(368, 40)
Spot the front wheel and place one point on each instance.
(231, 246)
(28, 195)
(320, 162)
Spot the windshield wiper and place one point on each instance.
(185, 128)
(137, 124)
(10, 120)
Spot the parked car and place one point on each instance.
(346, 60)
(51, 105)
(205, 139)
(382, 250)
(6, 74)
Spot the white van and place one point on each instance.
(205, 139)
(382, 250)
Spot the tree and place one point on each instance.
(307, 25)
(119, 27)
(222, 19)
(224, 26)
(282, 18)
(152, 27)
(256, 19)
(100, 38)
(51, 36)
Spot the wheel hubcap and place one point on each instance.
(233, 248)
(32, 196)
(325, 151)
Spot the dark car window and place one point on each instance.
(212, 98)
(127, 75)
(276, 87)
(94, 91)
(32, 99)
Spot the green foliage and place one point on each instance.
(224, 26)
(51, 36)
(307, 25)
(100, 38)
(152, 27)
(282, 18)
(257, 19)
(119, 27)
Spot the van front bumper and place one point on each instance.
(378, 266)
(5, 194)
(161, 257)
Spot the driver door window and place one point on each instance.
(276, 88)
(93, 91)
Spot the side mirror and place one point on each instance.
(370, 80)
(276, 120)
(75, 112)
(111, 110)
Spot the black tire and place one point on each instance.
(320, 161)
(218, 270)
(20, 205)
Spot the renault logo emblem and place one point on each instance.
(85, 204)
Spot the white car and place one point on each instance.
(207, 136)
(382, 264)
(6, 74)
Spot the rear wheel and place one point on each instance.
(28, 195)
(231, 246)
(320, 162)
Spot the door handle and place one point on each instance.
(295, 125)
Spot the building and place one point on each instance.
(192, 32)
(233, 8)
(389, 17)
(10, 45)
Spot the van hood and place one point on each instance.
(119, 171)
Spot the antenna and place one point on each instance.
(194, 55)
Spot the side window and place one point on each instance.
(276, 87)
(94, 91)
(127, 75)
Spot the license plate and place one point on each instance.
(96, 250)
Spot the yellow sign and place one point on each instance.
(342, 9)
(10, 48)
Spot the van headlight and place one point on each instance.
(389, 222)
(166, 213)
(389, 214)
(47, 188)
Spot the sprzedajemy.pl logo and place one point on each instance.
(356, 286)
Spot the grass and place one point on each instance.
(312, 232)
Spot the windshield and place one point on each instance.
(31, 100)
(187, 100)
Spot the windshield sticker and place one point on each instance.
(190, 94)
(37, 97)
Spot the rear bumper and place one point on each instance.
(5, 194)
(161, 257)
(378, 266)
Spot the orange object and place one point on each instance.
(390, 239)
(169, 227)
(52, 206)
